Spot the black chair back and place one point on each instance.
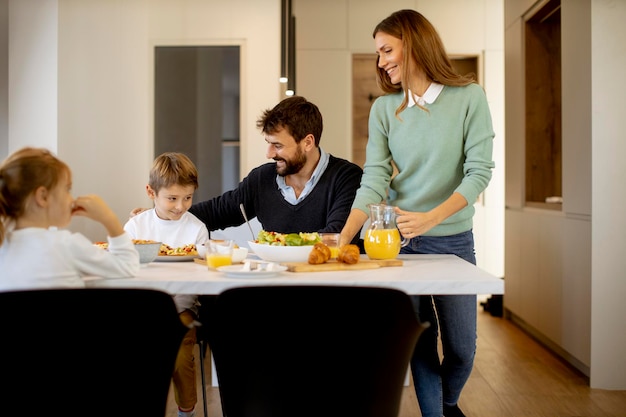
(87, 352)
(312, 350)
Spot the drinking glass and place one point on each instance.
(219, 253)
(332, 241)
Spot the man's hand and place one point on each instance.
(136, 211)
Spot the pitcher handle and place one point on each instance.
(403, 240)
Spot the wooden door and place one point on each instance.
(364, 91)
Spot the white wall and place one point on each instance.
(324, 75)
(608, 237)
(565, 269)
(81, 82)
(32, 74)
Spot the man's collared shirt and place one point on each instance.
(288, 192)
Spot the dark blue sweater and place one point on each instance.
(324, 209)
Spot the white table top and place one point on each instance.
(420, 274)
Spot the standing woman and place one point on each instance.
(434, 125)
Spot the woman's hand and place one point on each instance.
(413, 224)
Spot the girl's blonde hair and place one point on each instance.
(20, 175)
(422, 44)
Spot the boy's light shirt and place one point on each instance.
(175, 233)
(287, 191)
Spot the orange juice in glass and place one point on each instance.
(214, 261)
(332, 241)
(382, 243)
(219, 253)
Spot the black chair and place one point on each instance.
(312, 350)
(87, 352)
(207, 303)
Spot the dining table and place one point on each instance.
(417, 274)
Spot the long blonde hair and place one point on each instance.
(20, 175)
(422, 44)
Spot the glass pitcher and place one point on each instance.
(382, 238)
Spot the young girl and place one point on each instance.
(35, 202)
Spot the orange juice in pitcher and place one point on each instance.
(382, 244)
(382, 238)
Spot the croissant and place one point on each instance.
(319, 254)
(349, 254)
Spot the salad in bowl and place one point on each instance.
(284, 247)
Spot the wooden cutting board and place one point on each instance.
(331, 265)
(339, 266)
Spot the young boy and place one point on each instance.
(173, 180)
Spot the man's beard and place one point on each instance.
(293, 166)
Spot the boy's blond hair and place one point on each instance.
(172, 168)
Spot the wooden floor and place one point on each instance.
(513, 376)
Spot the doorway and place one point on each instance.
(197, 111)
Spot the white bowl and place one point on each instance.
(281, 253)
(239, 254)
(147, 251)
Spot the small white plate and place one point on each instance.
(238, 271)
(175, 258)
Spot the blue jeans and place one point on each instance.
(437, 383)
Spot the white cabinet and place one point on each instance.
(548, 252)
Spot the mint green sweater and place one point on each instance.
(447, 149)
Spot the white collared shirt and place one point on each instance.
(431, 94)
(288, 192)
